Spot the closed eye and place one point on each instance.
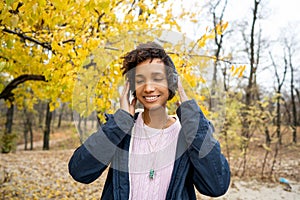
(158, 79)
(139, 81)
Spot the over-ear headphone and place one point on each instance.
(172, 83)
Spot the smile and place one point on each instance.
(151, 98)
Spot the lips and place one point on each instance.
(151, 98)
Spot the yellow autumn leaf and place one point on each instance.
(241, 71)
(232, 68)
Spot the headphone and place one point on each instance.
(172, 84)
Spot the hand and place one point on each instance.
(181, 92)
(124, 101)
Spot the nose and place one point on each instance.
(149, 87)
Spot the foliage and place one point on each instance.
(62, 40)
(8, 142)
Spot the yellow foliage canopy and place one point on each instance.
(77, 46)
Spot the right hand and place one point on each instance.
(124, 101)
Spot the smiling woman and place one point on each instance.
(151, 154)
(151, 83)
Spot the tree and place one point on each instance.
(289, 55)
(55, 40)
(8, 95)
(253, 53)
(51, 40)
(219, 26)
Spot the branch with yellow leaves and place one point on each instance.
(45, 45)
(7, 92)
(25, 37)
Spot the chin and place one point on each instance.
(154, 107)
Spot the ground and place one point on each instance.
(42, 174)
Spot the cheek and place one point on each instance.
(163, 86)
(137, 87)
(138, 90)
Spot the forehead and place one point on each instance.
(153, 67)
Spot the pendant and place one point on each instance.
(151, 173)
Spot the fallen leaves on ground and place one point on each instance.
(43, 175)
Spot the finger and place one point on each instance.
(179, 84)
(125, 89)
(133, 102)
(132, 106)
(181, 91)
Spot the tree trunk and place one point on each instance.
(53, 120)
(294, 109)
(278, 97)
(249, 90)
(277, 147)
(60, 115)
(278, 118)
(251, 80)
(28, 128)
(41, 114)
(79, 129)
(298, 96)
(47, 128)
(31, 137)
(72, 116)
(9, 119)
(25, 138)
(218, 42)
(8, 138)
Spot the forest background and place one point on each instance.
(60, 72)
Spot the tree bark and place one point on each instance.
(218, 42)
(60, 115)
(41, 113)
(294, 109)
(249, 89)
(25, 129)
(298, 96)
(31, 137)
(9, 119)
(278, 98)
(7, 146)
(47, 128)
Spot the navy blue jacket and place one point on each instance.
(198, 163)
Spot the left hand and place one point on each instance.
(181, 92)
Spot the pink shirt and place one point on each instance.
(155, 149)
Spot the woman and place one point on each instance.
(150, 154)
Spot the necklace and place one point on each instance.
(151, 150)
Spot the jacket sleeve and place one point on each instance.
(95, 154)
(211, 173)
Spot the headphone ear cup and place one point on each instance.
(175, 74)
(175, 79)
(173, 84)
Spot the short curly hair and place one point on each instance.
(145, 51)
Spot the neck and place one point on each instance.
(157, 118)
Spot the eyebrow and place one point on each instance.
(153, 74)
